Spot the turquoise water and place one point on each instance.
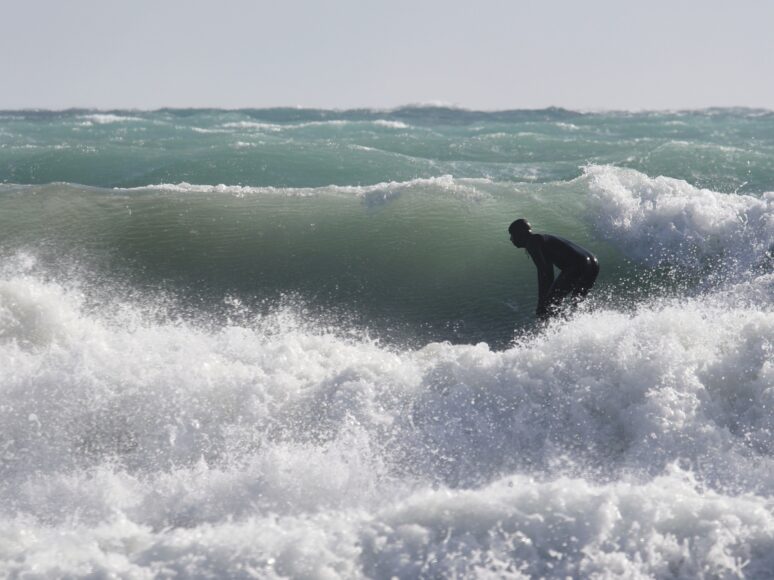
(298, 343)
(723, 150)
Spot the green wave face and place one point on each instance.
(431, 256)
(395, 220)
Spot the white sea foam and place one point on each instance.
(513, 528)
(276, 127)
(391, 124)
(468, 187)
(661, 218)
(203, 130)
(107, 118)
(639, 444)
(568, 126)
(253, 125)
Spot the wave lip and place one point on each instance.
(444, 182)
(109, 118)
(658, 219)
(277, 127)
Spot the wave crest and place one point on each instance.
(661, 219)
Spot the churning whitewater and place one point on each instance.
(297, 343)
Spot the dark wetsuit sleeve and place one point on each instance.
(545, 271)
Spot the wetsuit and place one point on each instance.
(579, 269)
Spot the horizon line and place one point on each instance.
(439, 105)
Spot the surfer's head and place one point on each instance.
(520, 231)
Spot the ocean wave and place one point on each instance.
(203, 130)
(568, 126)
(276, 127)
(391, 124)
(446, 183)
(659, 219)
(108, 118)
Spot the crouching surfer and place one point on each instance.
(579, 267)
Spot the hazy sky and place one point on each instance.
(486, 54)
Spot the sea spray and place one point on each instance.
(171, 428)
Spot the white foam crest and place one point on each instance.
(108, 118)
(391, 124)
(203, 130)
(567, 126)
(276, 127)
(664, 219)
(694, 145)
(448, 183)
(253, 125)
(33, 313)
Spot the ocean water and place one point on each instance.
(298, 343)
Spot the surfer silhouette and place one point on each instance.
(578, 266)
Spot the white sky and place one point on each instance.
(484, 54)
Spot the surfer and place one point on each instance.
(579, 267)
